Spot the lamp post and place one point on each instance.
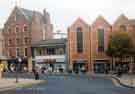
(18, 61)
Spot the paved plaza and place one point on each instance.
(73, 85)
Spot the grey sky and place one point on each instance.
(64, 12)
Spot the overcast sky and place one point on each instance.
(64, 12)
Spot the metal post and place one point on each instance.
(16, 72)
(19, 60)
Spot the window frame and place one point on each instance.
(101, 42)
(17, 29)
(123, 28)
(79, 38)
(24, 28)
(17, 52)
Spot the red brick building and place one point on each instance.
(79, 46)
(100, 33)
(94, 42)
(23, 28)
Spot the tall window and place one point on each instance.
(26, 52)
(17, 41)
(17, 52)
(123, 28)
(100, 40)
(17, 29)
(26, 40)
(9, 52)
(79, 40)
(25, 28)
(9, 42)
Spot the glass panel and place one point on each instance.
(100, 40)
(79, 40)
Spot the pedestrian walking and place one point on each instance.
(36, 75)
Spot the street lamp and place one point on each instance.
(18, 61)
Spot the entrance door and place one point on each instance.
(100, 66)
(79, 67)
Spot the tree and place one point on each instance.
(120, 45)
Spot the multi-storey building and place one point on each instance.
(87, 44)
(22, 28)
(100, 33)
(79, 46)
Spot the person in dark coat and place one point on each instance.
(36, 75)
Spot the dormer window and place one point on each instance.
(123, 28)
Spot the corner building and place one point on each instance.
(23, 28)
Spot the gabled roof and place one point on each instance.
(28, 14)
(79, 20)
(102, 20)
(122, 19)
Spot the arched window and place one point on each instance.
(123, 28)
(79, 40)
(100, 40)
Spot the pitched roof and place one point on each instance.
(29, 14)
(121, 19)
(101, 19)
(79, 19)
(50, 42)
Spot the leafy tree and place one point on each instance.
(120, 45)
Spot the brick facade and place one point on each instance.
(31, 26)
(72, 49)
(90, 40)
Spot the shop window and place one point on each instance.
(51, 51)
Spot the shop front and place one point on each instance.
(101, 66)
(80, 66)
(52, 63)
